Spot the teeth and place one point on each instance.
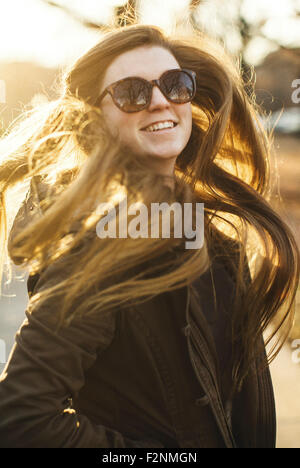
(160, 126)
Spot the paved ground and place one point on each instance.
(286, 381)
(285, 373)
(11, 314)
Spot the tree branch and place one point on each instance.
(77, 17)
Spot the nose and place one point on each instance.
(158, 100)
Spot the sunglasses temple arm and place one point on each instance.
(102, 95)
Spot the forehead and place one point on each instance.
(147, 62)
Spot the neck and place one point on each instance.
(169, 182)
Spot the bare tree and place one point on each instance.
(124, 14)
(128, 13)
(72, 13)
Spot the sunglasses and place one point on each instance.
(134, 94)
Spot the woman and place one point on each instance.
(140, 342)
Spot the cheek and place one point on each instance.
(115, 120)
(127, 129)
(187, 120)
(120, 121)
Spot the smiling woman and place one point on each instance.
(161, 130)
(152, 344)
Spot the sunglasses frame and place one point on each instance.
(150, 84)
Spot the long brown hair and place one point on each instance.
(225, 165)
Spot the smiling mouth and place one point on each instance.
(160, 126)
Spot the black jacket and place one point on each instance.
(148, 372)
(150, 375)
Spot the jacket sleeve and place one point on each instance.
(46, 368)
(29, 210)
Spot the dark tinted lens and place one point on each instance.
(131, 94)
(178, 86)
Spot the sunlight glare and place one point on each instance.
(163, 14)
(256, 10)
(42, 34)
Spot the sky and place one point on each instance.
(33, 31)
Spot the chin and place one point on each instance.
(162, 156)
(165, 153)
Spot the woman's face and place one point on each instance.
(162, 146)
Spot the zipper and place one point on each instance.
(216, 403)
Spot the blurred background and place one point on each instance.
(38, 38)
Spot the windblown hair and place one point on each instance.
(67, 147)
